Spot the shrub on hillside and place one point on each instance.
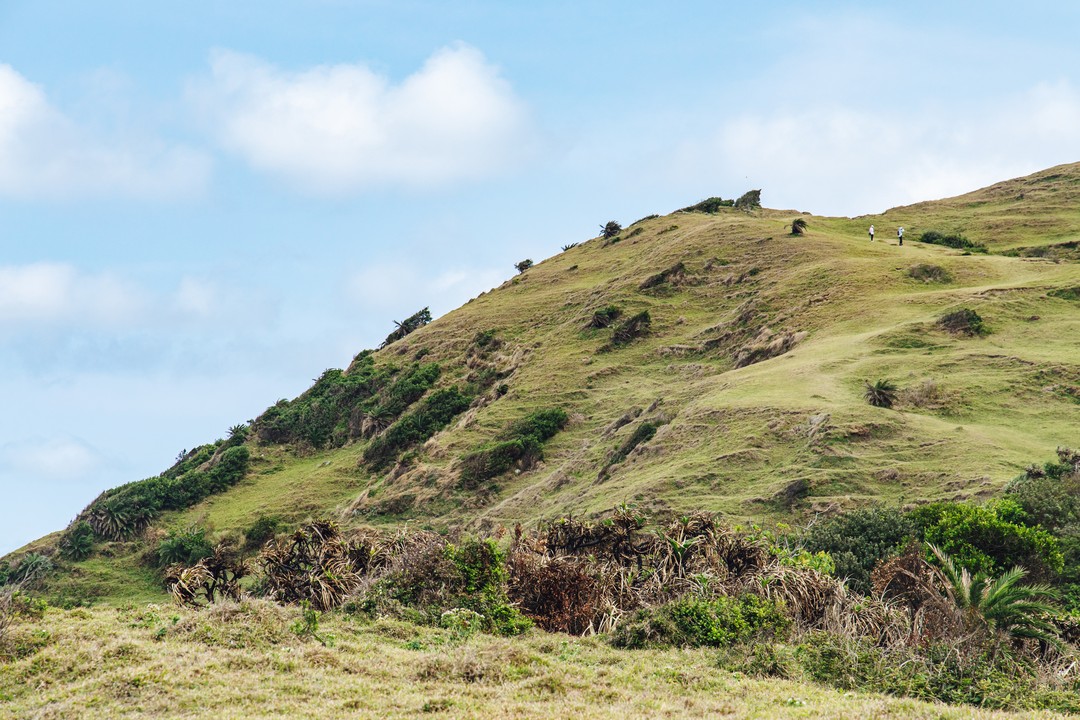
(881, 394)
(610, 229)
(186, 547)
(963, 322)
(519, 444)
(523, 265)
(262, 530)
(77, 542)
(957, 241)
(414, 322)
(750, 200)
(604, 317)
(858, 540)
(696, 622)
(798, 226)
(988, 538)
(126, 511)
(642, 434)
(709, 205)
(929, 273)
(432, 414)
(631, 328)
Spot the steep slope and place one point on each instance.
(746, 388)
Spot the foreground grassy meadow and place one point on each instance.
(248, 661)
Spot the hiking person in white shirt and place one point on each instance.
(871, 233)
(900, 234)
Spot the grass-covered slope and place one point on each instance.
(702, 361)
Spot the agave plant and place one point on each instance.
(1002, 604)
(881, 394)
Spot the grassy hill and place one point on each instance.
(694, 361)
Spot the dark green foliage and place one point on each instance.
(647, 217)
(1050, 497)
(485, 340)
(642, 433)
(540, 425)
(432, 415)
(798, 226)
(187, 547)
(858, 540)
(929, 273)
(750, 200)
(520, 443)
(1068, 293)
(263, 529)
(881, 394)
(988, 538)
(957, 241)
(610, 230)
(415, 321)
(604, 317)
(330, 412)
(125, 511)
(936, 672)
(26, 572)
(709, 205)
(495, 458)
(469, 575)
(523, 265)
(963, 322)
(673, 274)
(569, 246)
(78, 541)
(694, 622)
(238, 434)
(631, 328)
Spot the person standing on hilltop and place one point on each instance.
(900, 234)
(871, 233)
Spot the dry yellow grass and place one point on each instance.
(245, 661)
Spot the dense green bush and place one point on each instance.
(415, 321)
(709, 205)
(989, 538)
(858, 540)
(326, 413)
(963, 322)
(124, 511)
(749, 200)
(439, 579)
(631, 328)
(432, 415)
(696, 622)
(604, 317)
(937, 673)
(187, 547)
(523, 265)
(520, 443)
(263, 529)
(78, 541)
(881, 393)
(959, 242)
(929, 273)
(798, 226)
(610, 229)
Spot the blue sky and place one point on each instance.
(204, 205)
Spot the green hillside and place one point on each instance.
(696, 361)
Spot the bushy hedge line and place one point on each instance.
(321, 416)
(519, 443)
(432, 415)
(126, 510)
(696, 622)
(957, 241)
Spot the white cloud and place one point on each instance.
(44, 153)
(43, 293)
(396, 287)
(844, 160)
(53, 459)
(338, 128)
